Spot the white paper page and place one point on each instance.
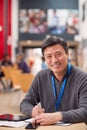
(17, 124)
(29, 120)
(62, 124)
(13, 123)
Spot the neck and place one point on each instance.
(60, 75)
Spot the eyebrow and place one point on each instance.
(54, 52)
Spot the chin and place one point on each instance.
(55, 70)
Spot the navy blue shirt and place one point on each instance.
(24, 67)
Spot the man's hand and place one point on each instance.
(37, 110)
(48, 118)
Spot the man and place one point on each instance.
(21, 64)
(6, 61)
(61, 88)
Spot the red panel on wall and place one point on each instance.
(9, 17)
(1, 28)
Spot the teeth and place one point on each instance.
(56, 65)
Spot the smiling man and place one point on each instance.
(61, 88)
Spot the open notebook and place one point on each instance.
(12, 117)
(15, 120)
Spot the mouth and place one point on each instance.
(56, 65)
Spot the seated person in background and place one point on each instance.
(6, 61)
(61, 88)
(21, 63)
(1, 78)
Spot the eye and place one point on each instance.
(58, 54)
(48, 57)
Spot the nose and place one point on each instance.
(54, 58)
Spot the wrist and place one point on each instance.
(58, 116)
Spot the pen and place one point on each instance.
(38, 104)
(40, 107)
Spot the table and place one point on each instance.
(78, 126)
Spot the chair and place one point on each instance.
(7, 73)
(15, 78)
(2, 83)
(22, 79)
(26, 80)
(2, 79)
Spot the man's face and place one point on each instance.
(56, 58)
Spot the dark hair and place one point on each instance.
(5, 55)
(53, 40)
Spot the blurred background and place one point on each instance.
(25, 23)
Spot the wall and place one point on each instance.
(34, 4)
(83, 31)
(9, 24)
(46, 4)
(5, 27)
(83, 23)
(1, 28)
(14, 30)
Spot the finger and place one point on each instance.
(34, 112)
(39, 121)
(39, 118)
(40, 110)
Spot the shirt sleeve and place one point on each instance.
(28, 102)
(80, 114)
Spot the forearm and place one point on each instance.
(75, 116)
(26, 108)
(29, 101)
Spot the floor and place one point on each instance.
(10, 101)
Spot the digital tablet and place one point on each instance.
(13, 117)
